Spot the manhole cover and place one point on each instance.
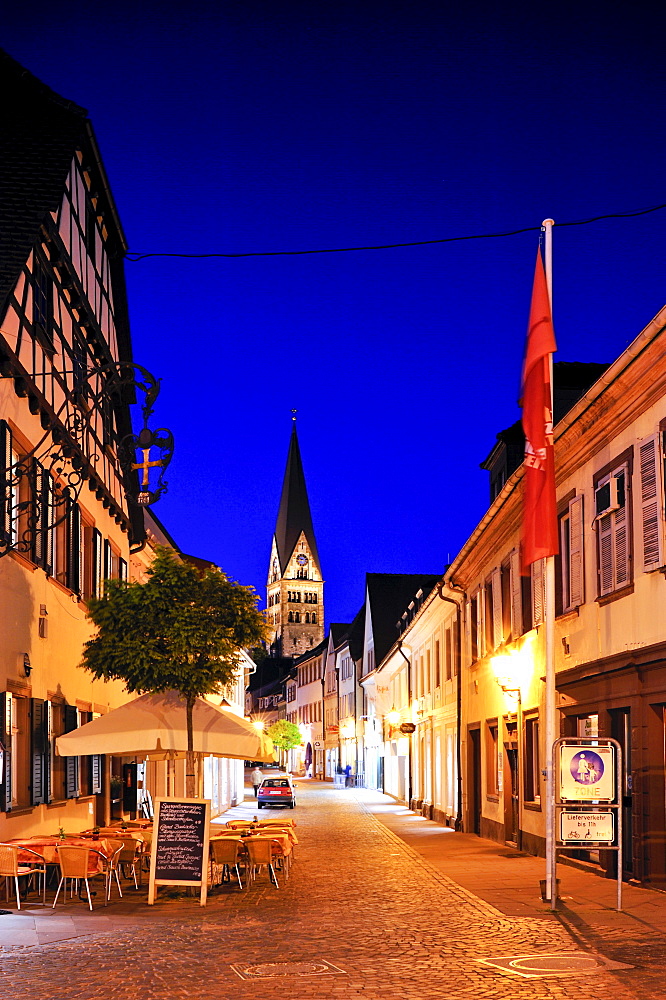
(285, 970)
(573, 963)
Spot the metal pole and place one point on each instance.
(549, 580)
(620, 845)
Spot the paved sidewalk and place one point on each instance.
(508, 880)
(371, 912)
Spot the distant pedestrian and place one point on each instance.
(348, 780)
(256, 778)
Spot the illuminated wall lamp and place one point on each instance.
(505, 677)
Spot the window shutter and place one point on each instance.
(108, 560)
(37, 512)
(5, 483)
(38, 750)
(74, 548)
(6, 739)
(480, 623)
(516, 596)
(47, 523)
(537, 592)
(96, 773)
(498, 626)
(468, 632)
(605, 542)
(96, 562)
(650, 486)
(621, 533)
(71, 763)
(48, 725)
(576, 564)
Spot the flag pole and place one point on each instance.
(549, 615)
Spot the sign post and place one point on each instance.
(588, 799)
(179, 850)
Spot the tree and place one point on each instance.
(285, 735)
(180, 630)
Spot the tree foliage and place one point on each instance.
(285, 735)
(180, 630)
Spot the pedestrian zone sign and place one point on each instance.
(587, 773)
(587, 827)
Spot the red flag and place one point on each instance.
(540, 536)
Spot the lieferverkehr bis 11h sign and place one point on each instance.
(587, 773)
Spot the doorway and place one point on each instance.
(620, 730)
(474, 773)
(511, 819)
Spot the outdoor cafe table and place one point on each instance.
(47, 847)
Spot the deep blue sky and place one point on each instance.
(257, 125)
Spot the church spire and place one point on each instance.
(295, 590)
(294, 515)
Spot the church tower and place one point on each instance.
(295, 588)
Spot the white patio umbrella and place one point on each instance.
(155, 726)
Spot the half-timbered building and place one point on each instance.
(65, 526)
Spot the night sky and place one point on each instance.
(258, 125)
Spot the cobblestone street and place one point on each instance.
(363, 915)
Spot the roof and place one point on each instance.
(571, 380)
(315, 651)
(39, 134)
(294, 512)
(356, 635)
(390, 594)
(338, 632)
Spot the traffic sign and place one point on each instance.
(586, 773)
(587, 827)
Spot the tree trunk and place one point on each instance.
(190, 789)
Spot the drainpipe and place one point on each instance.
(409, 700)
(458, 659)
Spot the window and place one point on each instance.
(612, 521)
(571, 566)
(438, 670)
(448, 652)
(42, 302)
(532, 765)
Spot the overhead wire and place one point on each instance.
(135, 257)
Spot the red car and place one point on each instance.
(276, 791)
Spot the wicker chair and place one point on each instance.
(112, 866)
(129, 859)
(75, 865)
(11, 867)
(225, 854)
(240, 824)
(260, 851)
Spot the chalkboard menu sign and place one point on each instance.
(179, 850)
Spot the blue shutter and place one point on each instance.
(39, 751)
(96, 769)
(71, 763)
(6, 740)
